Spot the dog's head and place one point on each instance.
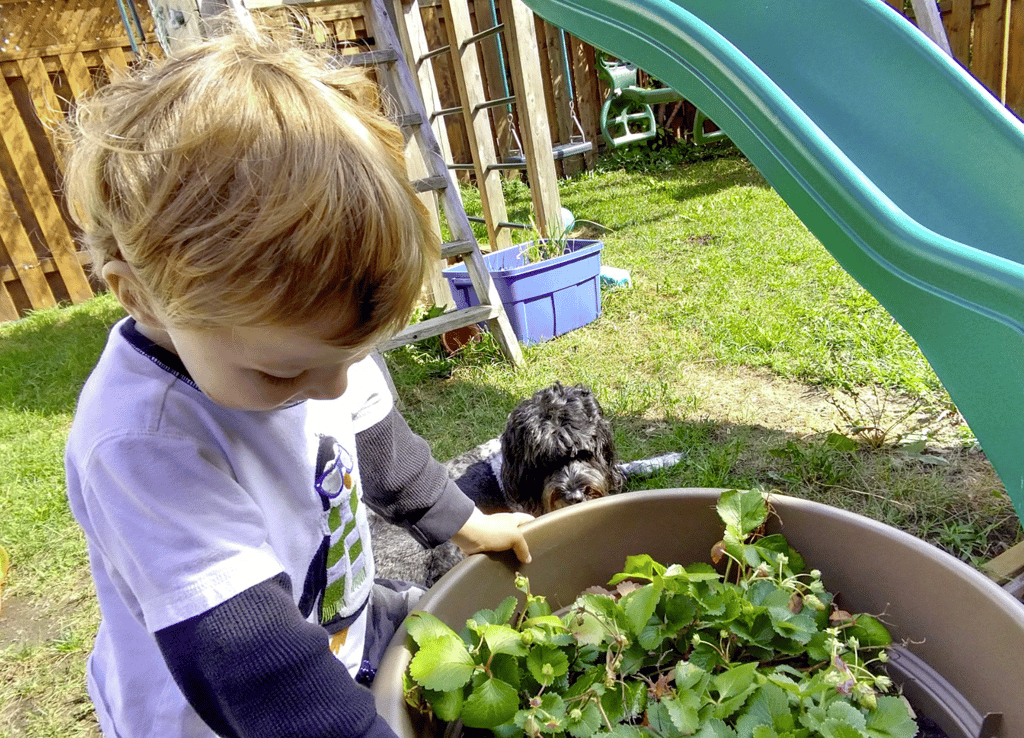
(558, 450)
(578, 481)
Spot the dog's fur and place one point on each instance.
(558, 450)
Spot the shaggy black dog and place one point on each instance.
(557, 450)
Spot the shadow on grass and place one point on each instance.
(454, 413)
(46, 357)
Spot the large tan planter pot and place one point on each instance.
(954, 620)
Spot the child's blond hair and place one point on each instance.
(250, 180)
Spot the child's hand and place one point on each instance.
(497, 532)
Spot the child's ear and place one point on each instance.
(130, 293)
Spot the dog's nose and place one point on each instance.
(572, 496)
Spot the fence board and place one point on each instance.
(1015, 73)
(114, 62)
(77, 72)
(47, 214)
(987, 57)
(20, 252)
(588, 93)
(41, 92)
(8, 310)
(958, 30)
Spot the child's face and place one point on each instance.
(263, 368)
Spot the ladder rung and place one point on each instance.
(510, 100)
(456, 248)
(371, 58)
(407, 120)
(432, 53)
(507, 165)
(442, 324)
(430, 184)
(486, 33)
(500, 224)
(445, 111)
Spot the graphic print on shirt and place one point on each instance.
(341, 574)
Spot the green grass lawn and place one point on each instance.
(729, 290)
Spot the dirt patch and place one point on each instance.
(755, 397)
(23, 623)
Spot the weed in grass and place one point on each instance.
(880, 416)
(816, 464)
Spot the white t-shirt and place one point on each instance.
(186, 504)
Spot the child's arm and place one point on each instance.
(497, 532)
(252, 666)
(404, 482)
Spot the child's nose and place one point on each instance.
(328, 383)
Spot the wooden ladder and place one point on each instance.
(432, 179)
(527, 95)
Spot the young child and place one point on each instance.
(249, 207)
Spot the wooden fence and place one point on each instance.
(53, 51)
(987, 38)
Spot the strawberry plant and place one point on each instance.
(756, 650)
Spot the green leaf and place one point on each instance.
(546, 664)
(624, 731)
(641, 566)
(843, 731)
(424, 627)
(440, 666)
(508, 730)
(503, 639)
(551, 713)
(769, 706)
(586, 723)
(890, 719)
(682, 710)
(634, 699)
(586, 629)
(501, 615)
(691, 677)
(491, 703)
(841, 712)
(447, 705)
(538, 607)
(742, 511)
(715, 728)
(547, 629)
(613, 703)
(506, 668)
(840, 442)
(640, 604)
(869, 631)
(733, 687)
(660, 720)
(652, 638)
(771, 546)
(679, 611)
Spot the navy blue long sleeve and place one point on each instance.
(252, 666)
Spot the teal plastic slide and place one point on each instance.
(905, 168)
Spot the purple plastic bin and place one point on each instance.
(542, 300)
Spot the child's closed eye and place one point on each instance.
(278, 381)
